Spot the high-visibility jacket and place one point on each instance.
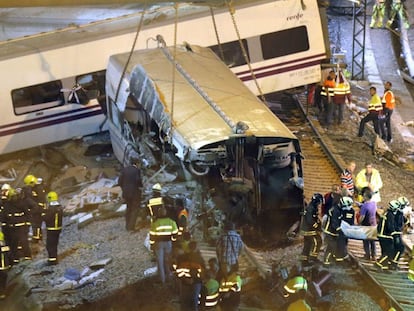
(385, 227)
(388, 100)
(163, 229)
(328, 88)
(54, 216)
(182, 220)
(231, 283)
(4, 254)
(376, 183)
(333, 221)
(375, 104)
(153, 205)
(211, 293)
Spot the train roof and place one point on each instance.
(209, 101)
(74, 33)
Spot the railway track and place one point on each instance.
(394, 284)
(321, 169)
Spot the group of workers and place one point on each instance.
(179, 260)
(23, 209)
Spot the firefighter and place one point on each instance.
(4, 265)
(16, 212)
(4, 192)
(163, 232)
(332, 230)
(399, 222)
(53, 219)
(385, 231)
(35, 194)
(310, 229)
(182, 218)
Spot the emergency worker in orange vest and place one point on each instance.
(327, 94)
(388, 105)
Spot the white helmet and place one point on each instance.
(394, 205)
(157, 187)
(403, 201)
(5, 187)
(346, 202)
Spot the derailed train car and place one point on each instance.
(184, 104)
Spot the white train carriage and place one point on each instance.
(284, 42)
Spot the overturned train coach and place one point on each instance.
(183, 103)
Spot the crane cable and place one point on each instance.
(217, 34)
(131, 52)
(232, 11)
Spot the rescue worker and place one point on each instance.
(406, 210)
(385, 231)
(398, 7)
(399, 222)
(342, 93)
(348, 215)
(295, 291)
(4, 228)
(310, 229)
(35, 192)
(327, 95)
(182, 217)
(16, 213)
(374, 113)
(53, 219)
(210, 291)
(163, 232)
(230, 289)
(189, 269)
(130, 182)
(378, 12)
(369, 177)
(388, 105)
(335, 238)
(4, 265)
(155, 202)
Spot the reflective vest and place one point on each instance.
(328, 88)
(212, 293)
(163, 229)
(153, 206)
(232, 283)
(182, 219)
(388, 100)
(375, 104)
(295, 284)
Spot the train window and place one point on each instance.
(37, 97)
(93, 83)
(284, 42)
(233, 55)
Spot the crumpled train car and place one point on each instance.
(184, 101)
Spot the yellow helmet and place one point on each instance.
(30, 180)
(11, 193)
(52, 196)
